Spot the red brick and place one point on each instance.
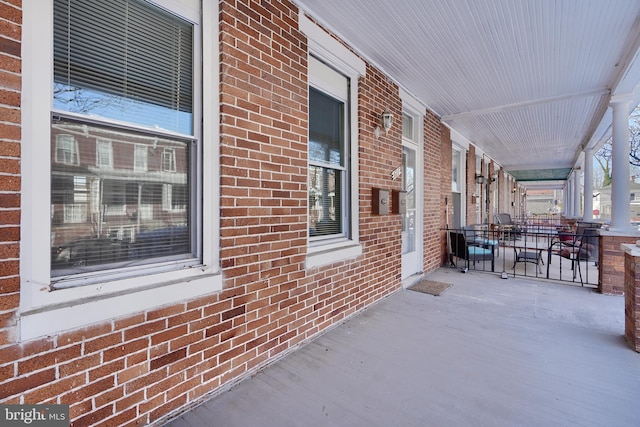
(120, 419)
(106, 369)
(9, 285)
(132, 372)
(85, 334)
(108, 397)
(91, 389)
(130, 400)
(9, 234)
(10, 63)
(11, 13)
(54, 389)
(79, 365)
(144, 381)
(147, 328)
(10, 47)
(124, 349)
(11, 30)
(28, 382)
(168, 358)
(168, 334)
(167, 407)
(8, 301)
(92, 418)
(98, 344)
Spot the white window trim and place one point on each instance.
(43, 312)
(169, 153)
(74, 152)
(333, 53)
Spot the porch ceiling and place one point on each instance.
(527, 82)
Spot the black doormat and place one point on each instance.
(431, 287)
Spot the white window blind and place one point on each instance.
(125, 60)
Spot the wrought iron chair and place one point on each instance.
(461, 249)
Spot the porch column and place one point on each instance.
(570, 197)
(620, 175)
(587, 214)
(565, 199)
(576, 194)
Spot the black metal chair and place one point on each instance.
(461, 249)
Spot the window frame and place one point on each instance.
(101, 144)
(334, 54)
(43, 311)
(341, 171)
(140, 162)
(169, 153)
(75, 160)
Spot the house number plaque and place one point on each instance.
(397, 173)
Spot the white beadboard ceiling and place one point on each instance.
(529, 82)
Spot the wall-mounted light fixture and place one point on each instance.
(386, 121)
(514, 189)
(481, 179)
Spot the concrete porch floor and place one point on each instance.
(488, 352)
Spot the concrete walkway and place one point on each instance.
(488, 352)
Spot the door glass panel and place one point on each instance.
(408, 185)
(407, 126)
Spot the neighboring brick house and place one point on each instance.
(213, 217)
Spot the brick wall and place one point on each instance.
(472, 202)
(632, 300)
(10, 183)
(611, 263)
(136, 369)
(445, 167)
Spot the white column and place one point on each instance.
(620, 170)
(565, 199)
(576, 194)
(587, 215)
(570, 197)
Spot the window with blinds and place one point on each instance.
(327, 169)
(123, 192)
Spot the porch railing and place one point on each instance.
(540, 250)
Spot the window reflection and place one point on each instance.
(123, 199)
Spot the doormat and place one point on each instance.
(431, 287)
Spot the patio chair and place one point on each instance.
(461, 249)
(507, 226)
(477, 235)
(588, 230)
(585, 247)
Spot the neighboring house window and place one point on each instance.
(333, 217)
(169, 160)
(104, 155)
(139, 74)
(66, 150)
(140, 158)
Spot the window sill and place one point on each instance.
(329, 253)
(71, 308)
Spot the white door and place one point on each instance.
(409, 219)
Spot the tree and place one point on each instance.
(603, 156)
